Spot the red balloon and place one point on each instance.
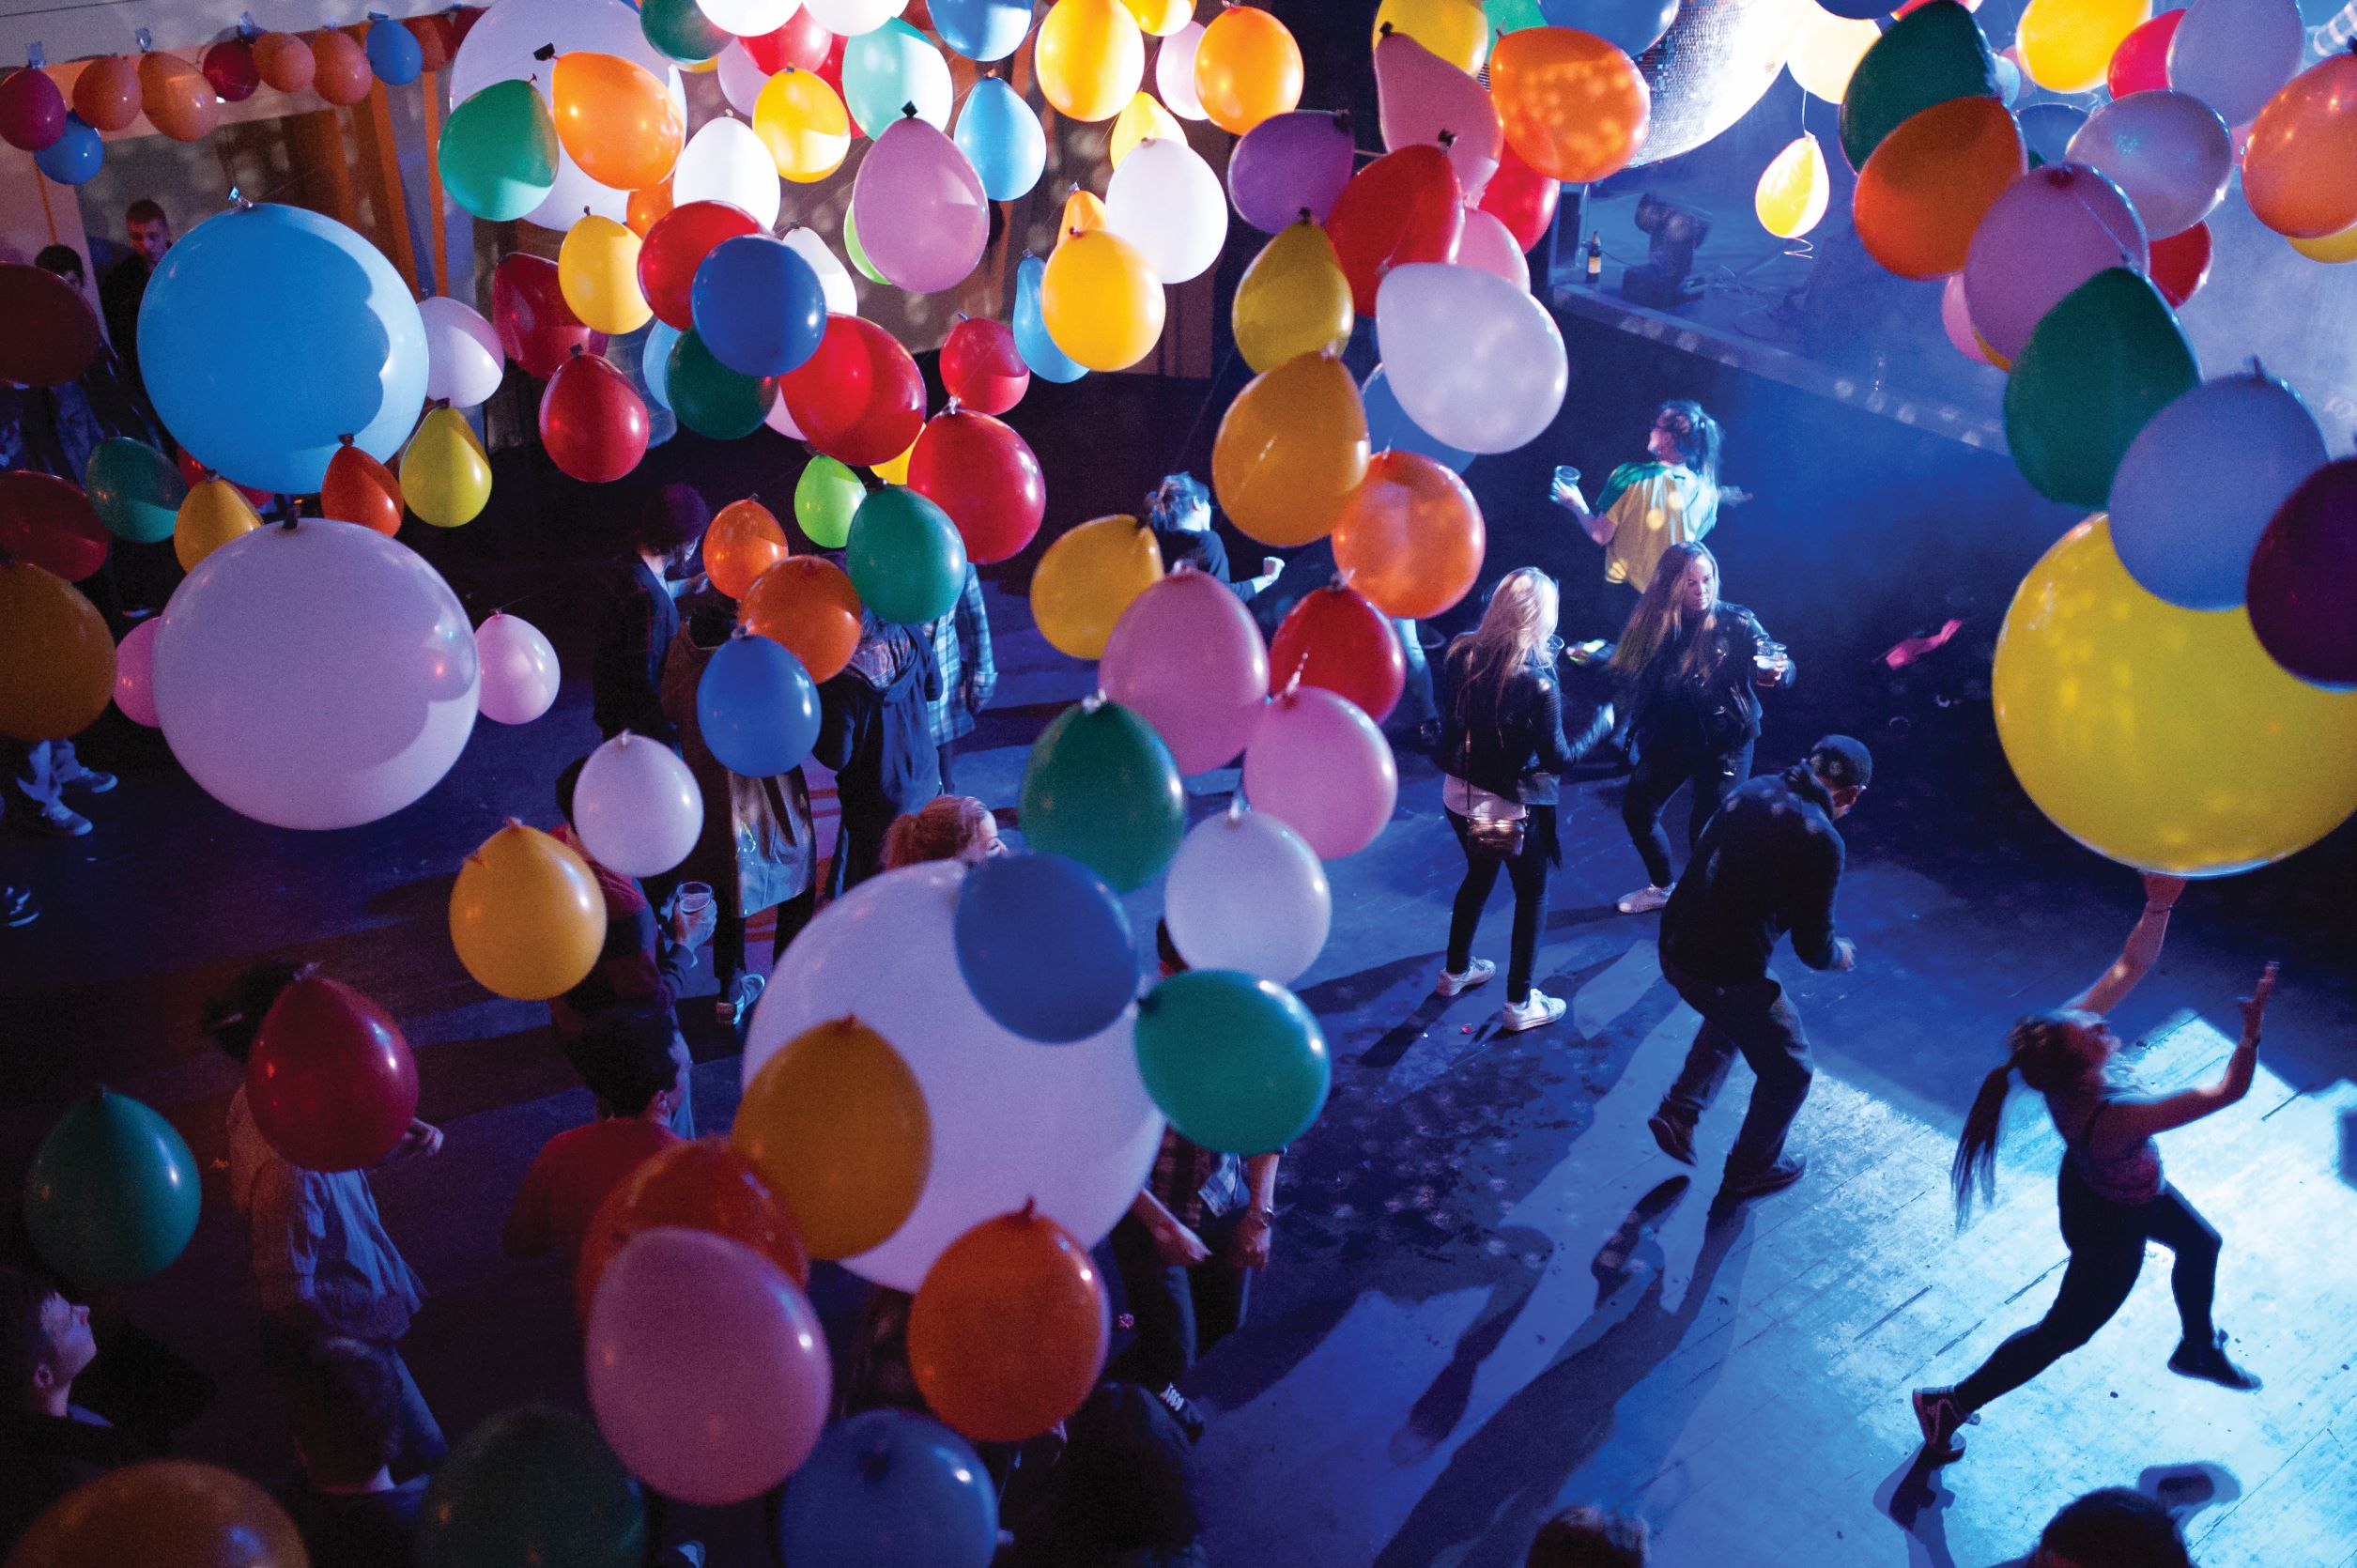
(32, 109)
(1336, 640)
(49, 523)
(528, 312)
(984, 475)
(1521, 198)
(462, 21)
(982, 366)
(859, 399)
(593, 420)
(676, 244)
(331, 1082)
(2181, 263)
(229, 67)
(435, 41)
(359, 489)
(1406, 206)
(51, 336)
(194, 473)
(802, 43)
(831, 72)
(2141, 63)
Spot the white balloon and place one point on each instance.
(574, 194)
(747, 18)
(849, 18)
(636, 807)
(1069, 1126)
(1474, 361)
(1245, 892)
(2233, 55)
(316, 676)
(464, 361)
(780, 420)
(1165, 200)
(1174, 72)
(725, 161)
(742, 77)
(835, 279)
(2168, 150)
(520, 674)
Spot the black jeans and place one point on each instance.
(858, 847)
(1180, 1313)
(727, 933)
(1755, 1018)
(1527, 871)
(1661, 772)
(2106, 1242)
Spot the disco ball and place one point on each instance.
(1715, 61)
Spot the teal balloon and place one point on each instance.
(889, 68)
(656, 362)
(499, 152)
(134, 489)
(709, 397)
(2096, 369)
(1512, 16)
(1040, 355)
(904, 556)
(1001, 136)
(1235, 1061)
(1932, 54)
(531, 1485)
(1101, 788)
(112, 1197)
(679, 30)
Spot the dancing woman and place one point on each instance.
(2111, 1192)
(1671, 499)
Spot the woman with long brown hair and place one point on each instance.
(1688, 662)
(2112, 1195)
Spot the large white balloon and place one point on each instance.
(1245, 892)
(1165, 200)
(1174, 72)
(2168, 150)
(2233, 55)
(1474, 361)
(849, 18)
(464, 361)
(520, 675)
(316, 676)
(574, 194)
(725, 161)
(636, 807)
(747, 18)
(835, 279)
(1069, 1126)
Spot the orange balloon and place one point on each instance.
(165, 1514)
(701, 1185)
(1082, 211)
(1247, 68)
(1008, 1332)
(56, 656)
(1573, 105)
(1929, 183)
(106, 94)
(359, 489)
(176, 99)
(807, 603)
(744, 541)
(838, 1128)
(617, 120)
(1291, 449)
(284, 61)
(2300, 170)
(339, 67)
(1411, 537)
(647, 205)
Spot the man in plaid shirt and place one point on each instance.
(961, 648)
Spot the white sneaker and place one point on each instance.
(1534, 1010)
(1450, 983)
(733, 1006)
(1644, 901)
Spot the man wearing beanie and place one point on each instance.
(638, 619)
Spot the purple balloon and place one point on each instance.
(2302, 590)
(919, 209)
(2052, 230)
(1288, 164)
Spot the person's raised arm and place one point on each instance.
(2142, 951)
(2133, 1119)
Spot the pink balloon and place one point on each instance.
(134, 673)
(1423, 98)
(520, 670)
(780, 419)
(1319, 766)
(1957, 319)
(707, 1369)
(2052, 230)
(1187, 657)
(1487, 242)
(919, 209)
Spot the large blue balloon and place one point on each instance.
(891, 1489)
(758, 306)
(394, 53)
(1039, 350)
(2048, 130)
(1635, 25)
(982, 30)
(74, 157)
(1000, 135)
(269, 333)
(757, 708)
(1389, 429)
(1044, 948)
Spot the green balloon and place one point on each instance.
(709, 397)
(2096, 368)
(1235, 1061)
(825, 498)
(134, 489)
(858, 256)
(679, 30)
(904, 556)
(499, 152)
(1932, 54)
(1101, 788)
(531, 1485)
(112, 1196)
(1512, 16)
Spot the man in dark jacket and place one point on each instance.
(875, 734)
(1768, 864)
(639, 618)
(48, 1444)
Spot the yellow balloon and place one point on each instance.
(445, 478)
(1291, 449)
(1143, 120)
(1160, 18)
(1083, 210)
(1087, 578)
(1794, 188)
(1454, 29)
(214, 513)
(1292, 299)
(1089, 57)
(526, 915)
(1827, 51)
(803, 123)
(56, 658)
(2329, 247)
(2165, 738)
(2065, 44)
(597, 267)
(1101, 302)
(894, 471)
(838, 1128)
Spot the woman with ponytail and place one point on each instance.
(2112, 1195)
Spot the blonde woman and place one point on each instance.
(1501, 747)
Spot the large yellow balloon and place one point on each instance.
(445, 478)
(165, 1514)
(2065, 44)
(1793, 189)
(1090, 57)
(836, 1126)
(1828, 51)
(1143, 120)
(617, 119)
(2329, 247)
(526, 915)
(894, 471)
(1101, 302)
(597, 267)
(56, 660)
(2164, 738)
(214, 513)
(1087, 578)
(1454, 29)
(1292, 299)
(1291, 449)
(1160, 18)
(803, 123)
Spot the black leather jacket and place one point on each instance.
(1517, 747)
(1719, 711)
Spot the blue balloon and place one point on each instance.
(75, 155)
(982, 30)
(759, 306)
(1046, 361)
(1632, 24)
(1000, 135)
(394, 53)
(2048, 130)
(891, 1489)
(757, 708)
(1044, 948)
(655, 362)
(271, 332)
(1389, 429)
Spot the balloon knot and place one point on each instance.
(1306, 217)
(1030, 1208)
(908, 110)
(545, 52)
(1384, 31)
(1446, 139)
(1342, 119)
(344, 440)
